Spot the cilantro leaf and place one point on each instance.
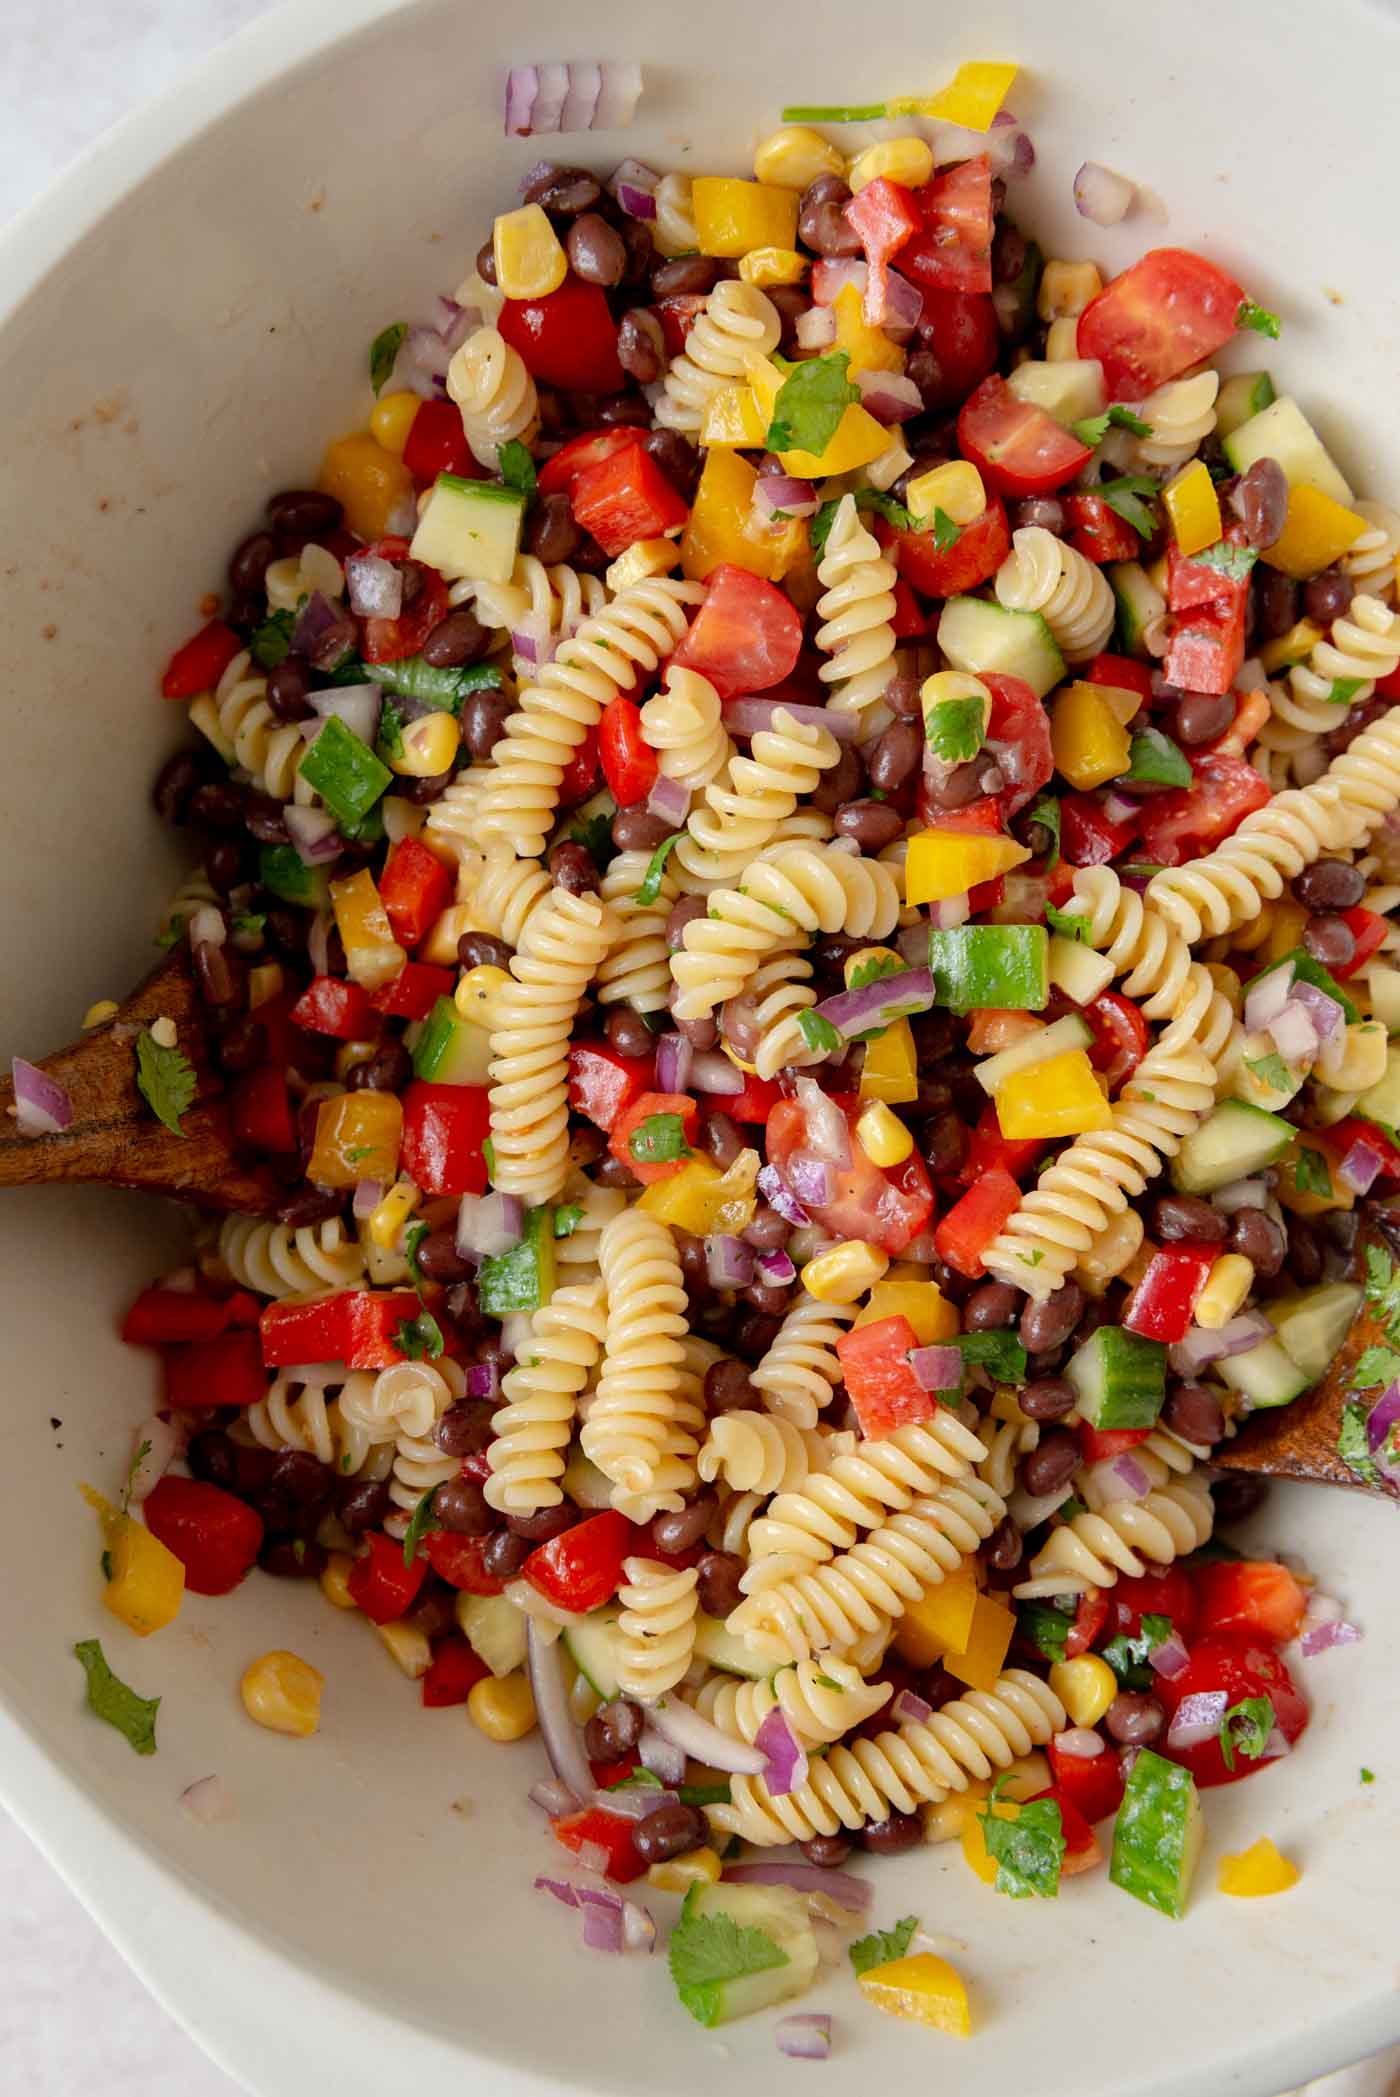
(1375, 1365)
(1128, 1654)
(639, 1780)
(865, 499)
(1383, 1289)
(248, 924)
(389, 741)
(881, 1946)
(419, 1526)
(999, 1353)
(1094, 428)
(1046, 812)
(413, 1238)
(656, 867)
(142, 1452)
(1156, 760)
(1046, 1627)
(1353, 1442)
(1028, 1851)
(708, 1950)
(658, 1139)
(1310, 1174)
(955, 729)
(412, 678)
(1125, 497)
(419, 1338)
(517, 467)
(165, 1079)
(1227, 559)
(1343, 690)
(113, 1700)
(818, 1033)
(1245, 1729)
(946, 534)
(173, 933)
(1070, 924)
(567, 1219)
(594, 833)
(874, 970)
(1368, 1776)
(1259, 318)
(1271, 1070)
(810, 403)
(271, 643)
(384, 351)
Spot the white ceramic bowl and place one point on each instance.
(186, 321)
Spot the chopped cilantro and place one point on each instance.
(271, 643)
(955, 729)
(412, 678)
(142, 1452)
(658, 1139)
(1046, 812)
(999, 1353)
(1047, 1628)
(708, 1950)
(865, 499)
(1228, 559)
(111, 1699)
(1353, 1443)
(165, 1079)
(488, 1152)
(517, 467)
(389, 741)
(1094, 428)
(1368, 1776)
(248, 924)
(1128, 1655)
(882, 1946)
(946, 534)
(811, 402)
(418, 1527)
(818, 1033)
(656, 867)
(1156, 760)
(874, 970)
(705, 1794)
(384, 352)
(594, 833)
(1245, 1729)
(413, 1238)
(106, 1563)
(174, 932)
(1383, 1289)
(1271, 1070)
(1070, 924)
(1259, 319)
(420, 1338)
(1375, 1365)
(1125, 496)
(639, 1780)
(1310, 1174)
(1343, 690)
(567, 1219)
(1029, 1850)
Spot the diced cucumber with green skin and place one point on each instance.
(470, 530)
(781, 1914)
(1071, 1032)
(345, 772)
(1119, 1378)
(282, 873)
(1239, 398)
(1157, 1834)
(1266, 1376)
(1071, 391)
(1230, 1144)
(1382, 1103)
(1077, 970)
(1282, 432)
(595, 1646)
(521, 1279)
(451, 1050)
(584, 1483)
(495, 1630)
(978, 635)
(1001, 968)
(713, 1642)
(1312, 1323)
(1139, 603)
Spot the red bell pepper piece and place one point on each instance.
(882, 1386)
(1355, 1129)
(989, 1151)
(215, 1536)
(166, 1317)
(1123, 672)
(974, 1221)
(227, 1370)
(1096, 1443)
(910, 619)
(437, 443)
(380, 1583)
(678, 315)
(453, 1675)
(414, 991)
(582, 1569)
(459, 1560)
(1099, 533)
(1368, 928)
(201, 662)
(415, 888)
(444, 1128)
(1160, 1306)
(754, 1102)
(1081, 1843)
(372, 1323)
(330, 1005)
(603, 1084)
(1093, 1784)
(558, 475)
(629, 1123)
(568, 338)
(1169, 1591)
(1193, 582)
(1090, 1616)
(1089, 837)
(355, 1327)
(606, 1774)
(580, 774)
(1250, 1595)
(630, 765)
(261, 1110)
(886, 215)
(626, 498)
(595, 1828)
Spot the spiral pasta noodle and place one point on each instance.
(627, 1429)
(289, 582)
(534, 1426)
(239, 722)
(196, 892)
(531, 1020)
(820, 1701)
(403, 1404)
(1371, 561)
(505, 894)
(1152, 958)
(495, 393)
(576, 1255)
(673, 1469)
(543, 604)
(856, 609)
(1042, 574)
(673, 229)
(799, 1372)
(739, 322)
(1007, 1442)
(1363, 647)
(452, 819)
(637, 968)
(1181, 415)
(566, 698)
(656, 1629)
(1096, 1549)
(729, 1531)
(742, 813)
(969, 1740)
(759, 1453)
(777, 995)
(685, 726)
(298, 1415)
(277, 1260)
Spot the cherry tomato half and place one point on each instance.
(1018, 448)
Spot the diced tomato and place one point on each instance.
(380, 1583)
(330, 1005)
(678, 315)
(595, 1828)
(952, 251)
(981, 817)
(168, 1317)
(582, 1569)
(1059, 883)
(1090, 1616)
(1088, 835)
(558, 474)
(1195, 582)
(603, 1084)
(1122, 672)
(1250, 1595)
(453, 1675)
(1243, 1667)
(460, 1561)
(444, 1128)
(629, 763)
(606, 1774)
(1166, 313)
(355, 1326)
(580, 776)
(568, 338)
(984, 896)
(1099, 533)
(885, 1208)
(755, 1102)
(885, 215)
(910, 620)
(1354, 1129)
(1368, 928)
(201, 662)
(626, 498)
(746, 635)
(1206, 648)
(1093, 1784)
(974, 1221)
(989, 1151)
(215, 1536)
(415, 888)
(974, 556)
(1082, 1850)
(1167, 1592)
(630, 1121)
(1389, 687)
(1162, 1302)
(394, 640)
(961, 329)
(1018, 737)
(882, 1386)
(437, 443)
(1097, 1443)
(1120, 1036)
(227, 1370)
(1188, 820)
(414, 991)
(1018, 448)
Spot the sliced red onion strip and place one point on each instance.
(669, 799)
(368, 1195)
(937, 1368)
(780, 1197)
(1361, 1167)
(816, 328)
(705, 1742)
(880, 1003)
(42, 1107)
(729, 1262)
(563, 1742)
(633, 1801)
(910, 1710)
(357, 705)
(1294, 1035)
(853, 1893)
(555, 1799)
(488, 1224)
(776, 1269)
(673, 1060)
(787, 1758)
(804, 2038)
(1102, 196)
(1267, 996)
(748, 717)
(1197, 1718)
(1319, 1638)
(1170, 1657)
(1201, 1346)
(313, 831)
(562, 1889)
(712, 1072)
(1082, 1743)
(374, 585)
(827, 1134)
(208, 1800)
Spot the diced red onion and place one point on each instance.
(1127, 1761)
(947, 914)
(705, 1742)
(673, 1059)
(324, 632)
(375, 586)
(888, 396)
(1267, 996)
(581, 102)
(562, 1889)
(831, 273)
(455, 324)
(1361, 1167)
(806, 1878)
(207, 927)
(783, 491)
(634, 1801)
(158, 1439)
(534, 639)
(357, 705)
(804, 2038)
(1240, 1194)
(1319, 1638)
(621, 92)
(910, 1710)
(640, 180)
(1201, 1346)
(425, 353)
(748, 717)
(1010, 156)
(669, 799)
(368, 1195)
(776, 1269)
(563, 1742)
(556, 1799)
(728, 1261)
(787, 1758)
(661, 1756)
(318, 943)
(1294, 1035)
(780, 1197)
(1102, 196)
(1081, 1743)
(937, 1368)
(879, 1003)
(813, 1180)
(600, 1897)
(1382, 1417)
(1121, 1478)
(1120, 808)
(1197, 1718)
(208, 1800)
(827, 1134)
(1276, 1746)
(638, 1929)
(488, 1224)
(592, 1856)
(816, 328)
(712, 1072)
(602, 1928)
(1324, 1011)
(1170, 1657)
(903, 305)
(313, 831)
(484, 1380)
(42, 1107)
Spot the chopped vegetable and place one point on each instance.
(113, 1700)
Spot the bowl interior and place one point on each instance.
(173, 358)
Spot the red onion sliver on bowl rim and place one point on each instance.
(804, 2038)
(562, 1889)
(1102, 196)
(157, 1442)
(563, 1742)
(1197, 1718)
(839, 1886)
(787, 1758)
(208, 1800)
(553, 1798)
(638, 1929)
(42, 1107)
(602, 1928)
(592, 1856)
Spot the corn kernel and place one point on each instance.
(908, 161)
(429, 746)
(335, 1580)
(956, 489)
(883, 1136)
(388, 1218)
(1086, 1686)
(793, 157)
(502, 1708)
(407, 1646)
(1066, 288)
(530, 263)
(392, 420)
(1062, 342)
(845, 1273)
(98, 1015)
(476, 989)
(698, 1867)
(1227, 1285)
(265, 982)
(648, 557)
(765, 266)
(1355, 1059)
(283, 1693)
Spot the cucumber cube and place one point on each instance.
(719, 1645)
(1231, 1143)
(282, 873)
(1005, 968)
(978, 635)
(1267, 1376)
(451, 1050)
(1157, 1835)
(1282, 431)
(495, 1630)
(470, 530)
(594, 1645)
(766, 1933)
(1119, 1378)
(1239, 398)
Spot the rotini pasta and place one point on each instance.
(403, 1404)
(1043, 574)
(196, 892)
(277, 1260)
(495, 393)
(756, 1452)
(534, 1426)
(239, 722)
(1181, 415)
(741, 814)
(799, 1372)
(656, 1630)
(856, 609)
(820, 1701)
(739, 322)
(637, 968)
(539, 607)
(1096, 1549)
(777, 995)
(1364, 646)
(627, 1429)
(297, 1414)
(1371, 561)
(291, 581)
(673, 229)
(685, 726)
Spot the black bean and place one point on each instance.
(613, 1731)
(439, 1259)
(822, 224)
(767, 1296)
(292, 1558)
(1193, 1411)
(839, 785)
(1134, 1718)
(465, 1428)
(175, 783)
(1178, 1216)
(1238, 1496)
(1044, 511)
(310, 1205)
(991, 1307)
(486, 262)
(728, 1389)
(596, 253)
(1330, 940)
(676, 1532)
(1330, 884)
(789, 302)
(1275, 601)
(945, 1141)
(389, 1069)
(682, 913)
(303, 513)
(615, 1172)
(827, 1852)
(1009, 249)
(872, 825)
(433, 1613)
(1327, 596)
(1259, 499)
(364, 1506)
(1260, 1240)
(480, 950)
(721, 1139)
(895, 756)
(484, 716)
(641, 346)
(628, 1032)
(624, 410)
(249, 564)
(298, 1474)
(1304, 1252)
(1049, 1324)
(216, 806)
(545, 1523)
(265, 819)
(637, 830)
(769, 1231)
(242, 1045)
(460, 1505)
(718, 1575)
(955, 789)
(754, 1334)
(1199, 717)
(212, 1456)
(1046, 1468)
(563, 190)
(572, 868)
(458, 639)
(1004, 1546)
(223, 863)
(684, 276)
(893, 1836)
(669, 1831)
(677, 457)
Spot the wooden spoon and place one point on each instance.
(114, 1136)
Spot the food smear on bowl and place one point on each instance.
(798, 854)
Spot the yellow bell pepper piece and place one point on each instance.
(858, 439)
(956, 488)
(368, 481)
(945, 1821)
(869, 349)
(1317, 531)
(845, 1273)
(530, 263)
(883, 1136)
(1227, 1285)
(1302, 1200)
(387, 1220)
(923, 1990)
(764, 266)
(698, 1867)
(983, 1657)
(940, 1621)
(891, 1069)
(373, 957)
(974, 1839)
(921, 1302)
(147, 1581)
(700, 1198)
(972, 98)
(723, 526)
(357, 1138)
(1255, 1871)
(1292, 647)
(1090, 743)
(1123, 703)
(733, 416)
(1059, 1098)
(940, 864)
(732, 217)
(1193, 508)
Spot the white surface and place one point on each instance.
(347, 1852)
